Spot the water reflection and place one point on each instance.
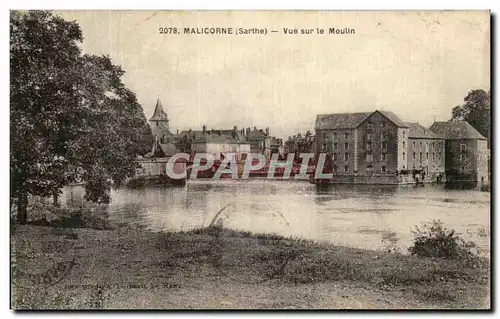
(364, 216)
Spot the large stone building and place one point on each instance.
(466, 152)
(363, 147)
(425, 151)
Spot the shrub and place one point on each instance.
(434, 240)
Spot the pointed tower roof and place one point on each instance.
(159, 114)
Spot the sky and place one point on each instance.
(416, 64)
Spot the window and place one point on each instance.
(346, 156)
(426, 145)
(324, 146)
(384, 145)
(369, 136)
(462, 168)
(427, 155)
(433, 156)
(413, 144)
(462, 147)
(404, 145)
(383, 157)
(420, 144)
(369, 157)
(420, 156)
(382, 136)
(346, 168)
(335, 168)
(346, 135)
(404, 135)
(404, 156)
(413, 155)
(383, 124)
(156, 123)
(463, 157)
(369, 146)
(383, 169)
(346, 145)
(369, 168)
(335, 145)
(432, 146)
(335, 157)
(334, 135)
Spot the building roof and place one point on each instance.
(256, 134)
(352, 120)
(159, 114)
(340, 120)
(168, 149)
(393, 118)
(218, 139)
(456, 130)
(419, 131)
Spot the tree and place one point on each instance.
(71, 116)
(476, 110)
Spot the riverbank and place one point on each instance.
(220, 268)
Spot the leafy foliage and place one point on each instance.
(434, 240)
(72, 118)
(476, 110)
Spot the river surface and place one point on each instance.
(361, 216)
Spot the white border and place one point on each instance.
(192, 5)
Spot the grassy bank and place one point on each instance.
(220, 268)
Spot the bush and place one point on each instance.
(434, 240)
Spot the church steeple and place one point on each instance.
(159, 122)
(159, 114)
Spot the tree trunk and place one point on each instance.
(22, 204)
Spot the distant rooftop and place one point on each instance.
(456, 130)
(340, 120)
(351, 120)
(419, 131)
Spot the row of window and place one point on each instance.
(426, 156)
(369, 137)
(438, 145)
(383, 146)
(369, 157)
(382, 123)
(335, 146)
(369, 168)
(346, 157)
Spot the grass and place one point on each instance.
(307, 261)
(243, 259)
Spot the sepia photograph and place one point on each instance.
(250, 160)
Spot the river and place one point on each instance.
(361, 216)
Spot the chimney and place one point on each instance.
(248, 130)
(267, 131)
(255, 128)
(177, 131)
(235, 128)
(204, 129)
